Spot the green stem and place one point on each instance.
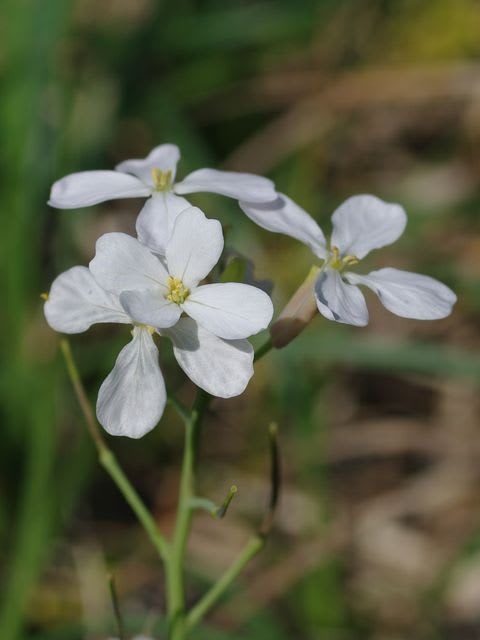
(108, 460)
(197, 613)
(263, 349)
(175, 564)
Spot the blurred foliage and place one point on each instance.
(328, 98)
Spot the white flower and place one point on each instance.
(213, 352)
(360, 224)
(154, 178)
(156, 293)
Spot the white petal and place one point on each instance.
(282, 215)
(194, 247)
(132, 398)
(407, 294)
(364, 222)
(220, 367)
(241, 186)
(76, 301)
(164, 157)
(156, 220)
(337, 300)
(150, 307)
(121, 263)
(231, 311)
(91, 187)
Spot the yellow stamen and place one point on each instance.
(44, 296)
(339, 263)
(177, 291)
(162, 180)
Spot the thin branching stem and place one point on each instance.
(254, 545)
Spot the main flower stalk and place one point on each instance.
(175, 562)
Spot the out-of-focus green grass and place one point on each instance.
(85, 84)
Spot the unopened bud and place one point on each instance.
(297, 314)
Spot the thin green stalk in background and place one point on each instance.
(29, 47)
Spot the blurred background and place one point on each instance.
(378, 533)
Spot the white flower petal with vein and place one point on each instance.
(87, 188)
(194, 248)
(222, 368)
(76, 301)
(409, 295)
(241, 186)
(364, 222)
(340, 301)
(132, 397)
(282, 215)
(231, 310)
(151, 308)
(121, 263)
(157, 218)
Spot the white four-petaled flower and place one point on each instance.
(362, 223)
(127, 284)
(154, 178)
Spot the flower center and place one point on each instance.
(339, 263)
(177, 291)
(162, 180)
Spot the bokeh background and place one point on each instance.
(378, 533)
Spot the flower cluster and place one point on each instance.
(156, 282)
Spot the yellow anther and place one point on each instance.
(339, 263)
(162, 180)
(44, 296)
(177, 291)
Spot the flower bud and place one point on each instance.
(297, 314)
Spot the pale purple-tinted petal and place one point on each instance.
(156, 220)
(164, 157)
(122, 263)
(231, 311)
(365, 222)
(76, 301)
(241, 186)
(409, 295)
(340, 301)
(220, 367)
(150, 307)
(282, 215)
(91, 187)
(195, 246)
(132, 398)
